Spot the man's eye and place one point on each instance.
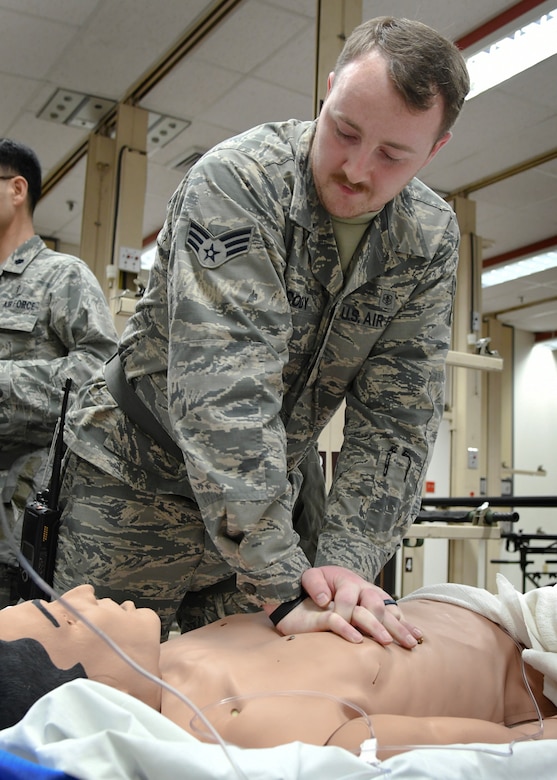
(345, 136)
(389, 157)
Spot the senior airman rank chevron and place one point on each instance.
(213, 251)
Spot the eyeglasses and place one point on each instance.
(13, 176)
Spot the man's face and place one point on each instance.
(6, 200)
(368, 143)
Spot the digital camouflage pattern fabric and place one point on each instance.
(249, 337)
(55, 324)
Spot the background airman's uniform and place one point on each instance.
(55, 324)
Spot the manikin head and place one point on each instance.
(74, 649)
(397, 89)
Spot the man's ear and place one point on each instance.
(330, 79)
(20, 187)
(438, 145)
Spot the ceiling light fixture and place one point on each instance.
(513, 54)
(163, 129)
(516, 270)
(548, 344)
(76, 109)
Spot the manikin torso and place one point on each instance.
(466, 667)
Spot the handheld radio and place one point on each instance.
(41, 521)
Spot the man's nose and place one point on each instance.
(358, 167)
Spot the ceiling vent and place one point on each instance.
(188, 159)
(76, 109)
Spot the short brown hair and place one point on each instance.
(422, 63)
(20, 160)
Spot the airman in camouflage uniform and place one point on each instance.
(254, 327)
(55, 324)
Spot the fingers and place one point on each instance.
(373, 599)
(307, 617)
(346, 598)
(413, 630)
(328, 584)
(315, 585)
(399, 630)
(342, 602)
(338, 625)
(386, 625)
(406, 634)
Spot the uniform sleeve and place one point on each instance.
(229, 329)
(394, 409)
(78, 336)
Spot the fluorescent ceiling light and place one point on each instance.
(525, 267)
(511, 55)
(163, 129)
(548, 344)
(76, 109)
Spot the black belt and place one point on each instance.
(135, 409)
(196, 597)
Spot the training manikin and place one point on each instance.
(463, 683)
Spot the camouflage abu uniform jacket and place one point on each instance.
(248, 338)
(54, 324)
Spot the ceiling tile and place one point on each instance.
(16, 92)
(192, 87)
(66, 11)
(30, 47)
(252, 34)
(294, 65)
(252, 102)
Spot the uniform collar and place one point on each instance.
(21, 257)
(305, 208)
(409, 218)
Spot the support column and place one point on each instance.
(498, 407)
(466, 384)
(468, 458)
(497, 427)
(113, 204)
(335, 21)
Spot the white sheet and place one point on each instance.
(97, 733)
(531, 618)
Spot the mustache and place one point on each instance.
(358, 188)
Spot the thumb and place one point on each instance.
(315, 585)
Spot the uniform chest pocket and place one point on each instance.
(21, 336)
(18, 322)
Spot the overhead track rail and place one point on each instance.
(196, 33)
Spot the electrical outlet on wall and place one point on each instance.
(473, 458)
(129, 259)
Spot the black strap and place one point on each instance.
(135, 409)
(286, 608)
